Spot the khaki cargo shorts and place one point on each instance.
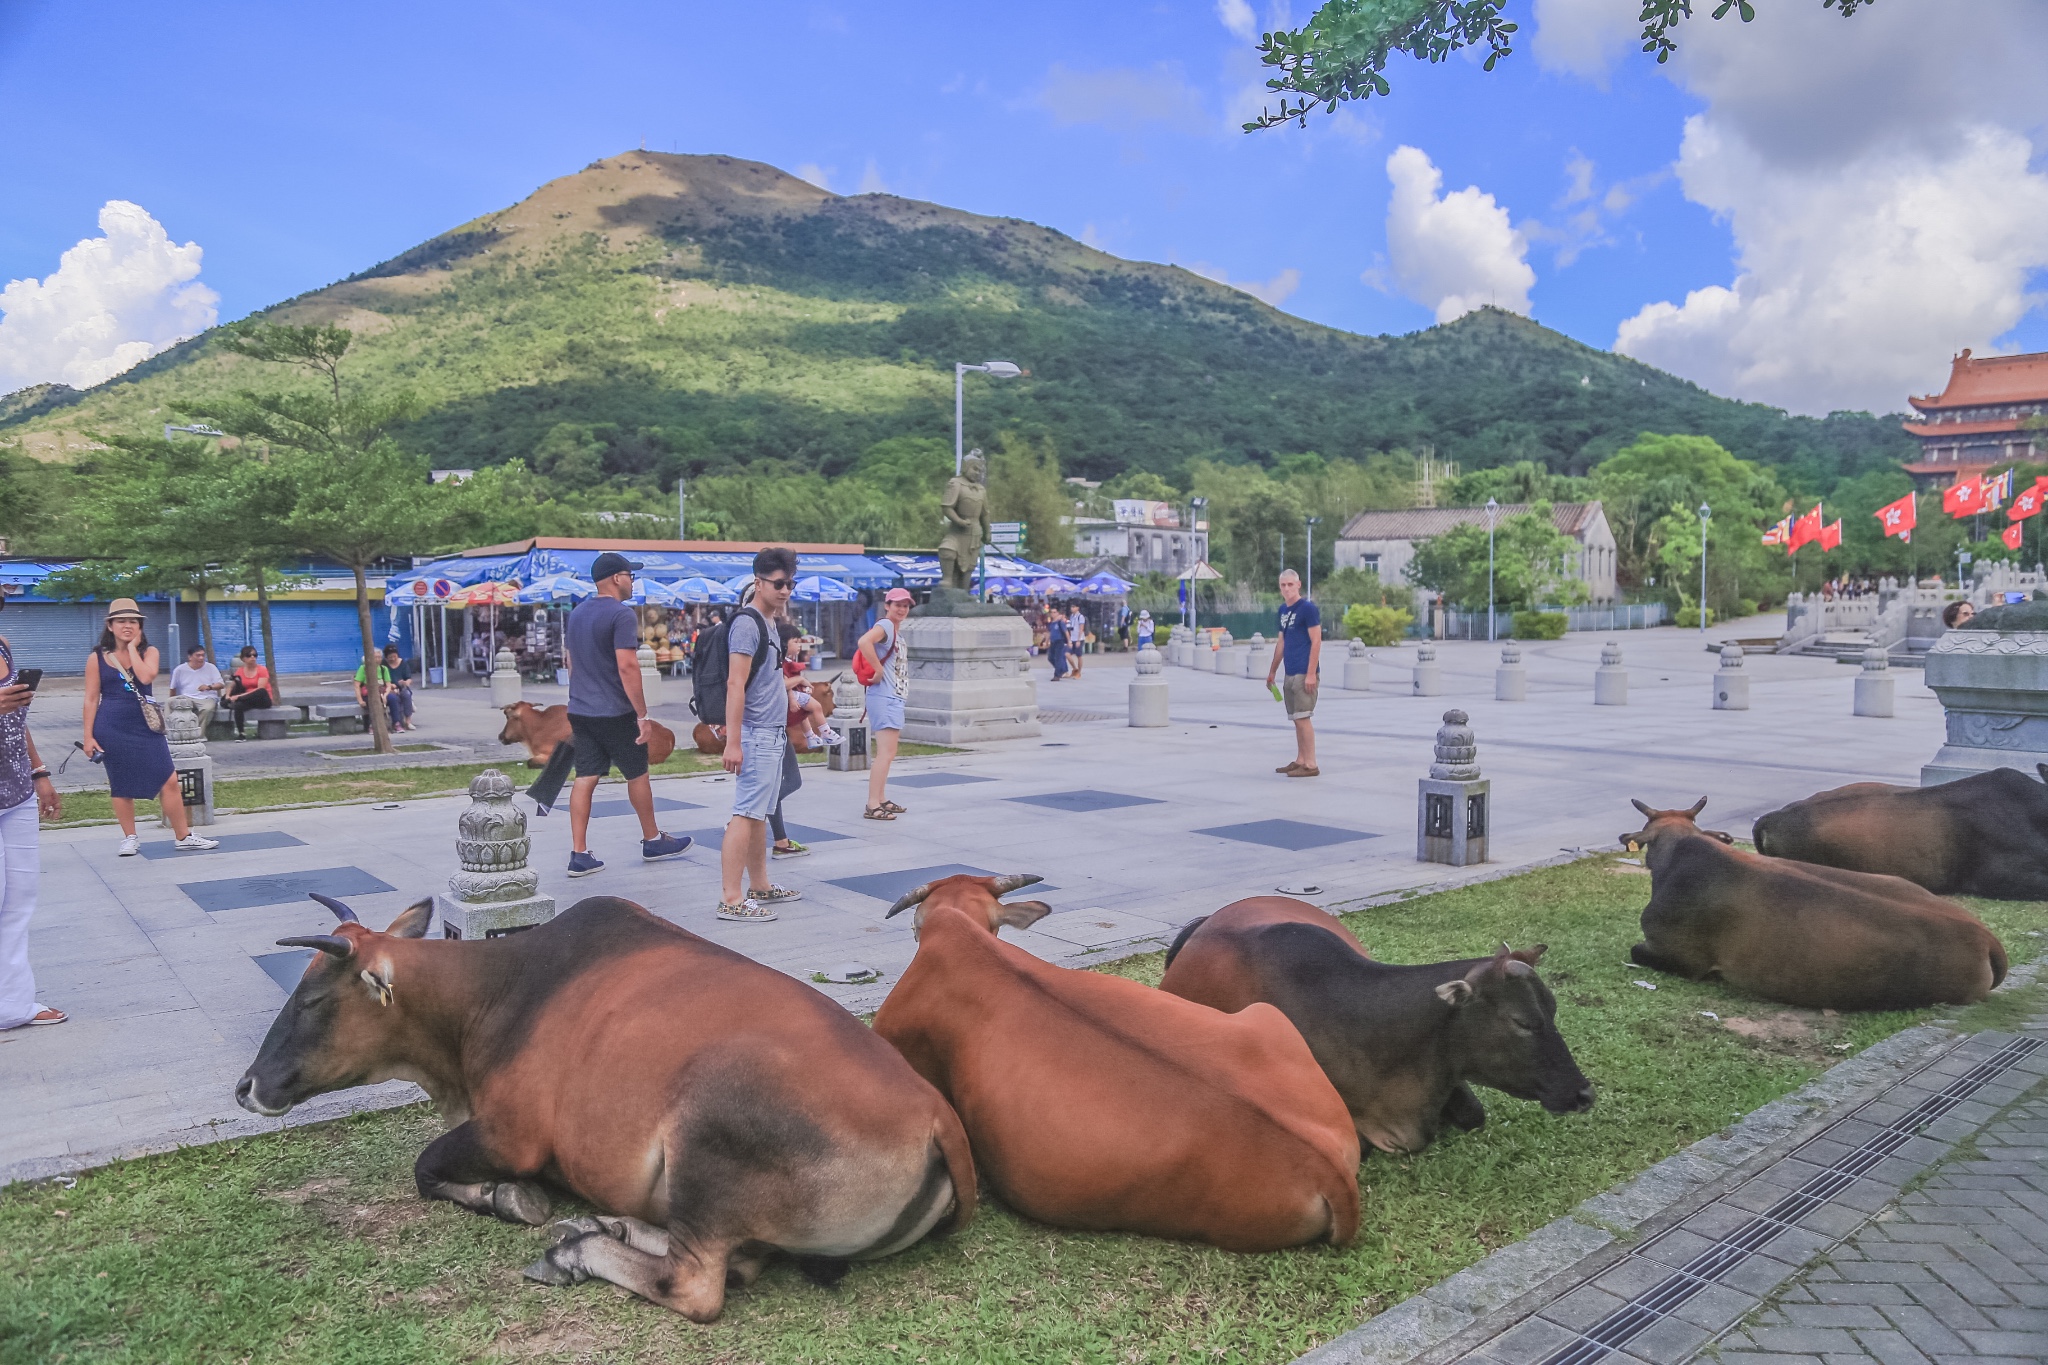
(1298, 696)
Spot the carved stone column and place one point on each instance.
(1993, 681)
(1452, 813)
(495, 893)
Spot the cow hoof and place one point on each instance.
(517, 1202)
(545, 1271)
(566, 1228)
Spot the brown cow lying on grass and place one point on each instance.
(1095, 1102)
(1982, 835)
(1403, 1045)
(710, 739)
(716, 1111)
(1802, 934)
(542, 728)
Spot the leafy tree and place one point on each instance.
(1341, 52)
(1657, 476)
(1024, 485)
(1257, 523)
(1531, 563)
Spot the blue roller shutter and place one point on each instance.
(57, 636)
(312, 637)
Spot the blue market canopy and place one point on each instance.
(557, 586)
(665, 566)
(1104, 584)
(699, 590)
(1051, 585)
(817, 588)
(1010, 587)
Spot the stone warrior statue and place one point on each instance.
(966, 507)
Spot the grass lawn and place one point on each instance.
(388, 784)
(311, 1246)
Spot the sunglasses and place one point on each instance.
(779, 584)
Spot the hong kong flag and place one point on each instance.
(1965, 498)
(1805, 529)
(1831, 535)
(2011, 535)
(1898, 517)
(2027, 503)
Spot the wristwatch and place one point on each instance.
(38, 774)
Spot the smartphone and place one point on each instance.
(29, 678)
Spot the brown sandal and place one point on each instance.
(892, 808)
(880, 812)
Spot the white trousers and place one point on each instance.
(20, 865)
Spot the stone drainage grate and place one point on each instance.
(1068, 717)
(1645, 1310)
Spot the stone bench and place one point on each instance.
(341, 720)
(275, 722)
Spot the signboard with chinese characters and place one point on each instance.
(1141, 512)
(1007, 536)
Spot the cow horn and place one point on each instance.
(1697, 806)
(341, 912)
(908, 899)
(1641, 807)
(1015, 881)
(332, 944)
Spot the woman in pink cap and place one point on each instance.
(881, 649)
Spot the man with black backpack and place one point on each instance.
(755, 712)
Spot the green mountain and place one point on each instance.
(652, 314)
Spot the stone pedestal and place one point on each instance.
(1203, 651)
(1511, 680)
(185, 730)
(1875, 685)
(1256, 657)
(495, 893)
(1451, 803)
(851, 754)
(1610, 679)
(1993, 683)
(650, 674)
(504, 679)
(1429, 674)
(967, 672)
(1731, 683)
(1148, 691)
(1357, 668)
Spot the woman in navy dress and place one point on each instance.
(118, 678)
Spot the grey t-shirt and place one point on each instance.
(598, 627)
(767, 707)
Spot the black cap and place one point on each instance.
(611, 562)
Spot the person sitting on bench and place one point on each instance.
(248, 689)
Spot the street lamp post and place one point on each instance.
(1309, 554)
(1492, 514)
(1706, 515)
(1196, 506)
(1001, 369)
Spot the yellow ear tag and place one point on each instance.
(382, 988)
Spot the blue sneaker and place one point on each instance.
(667, 846)
(583, 864)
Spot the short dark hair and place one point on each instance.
(1953, 610)
(392, 649)
(775, 557)
(195, 649)
(248, 652)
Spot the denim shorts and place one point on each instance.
(759, 785)
(885, 708)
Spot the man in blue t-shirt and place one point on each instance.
(608, 712)
(1299, 649)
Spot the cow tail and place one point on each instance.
(1998, 962)
(1180, 940)
(951, 1142)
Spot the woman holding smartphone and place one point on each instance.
(118, 682)
(26, 793)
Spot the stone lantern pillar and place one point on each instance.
(1875, 685)
(505, 685)
(1256, 656)
(185, 730)
(849, 699)
(1357, 668)
(1429, 674)
(1148, 691)
(1610, 679)
(1451, 806)
(1511, 680)
(650, 673)
(1731, 683)
(495, 893)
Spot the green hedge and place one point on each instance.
(1376, 625)
(1540, 625)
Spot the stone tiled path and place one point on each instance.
(1956, 1270)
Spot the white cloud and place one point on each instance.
(1452, 252)
(1582, 37)
(113, 302)
(821, 176)
(1275, 291)
(871, 179)
(1121, 98)
(1237, 16)
(1876, 174)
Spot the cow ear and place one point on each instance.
(1023, 914)
(1629, 842)
(412, 921)
(1455, 993)
(1532, 956)
(1723, 835)
(379, 985)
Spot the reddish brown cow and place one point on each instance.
(539, 728)
(710, 739)
(713, 1110)
(1095, 1102)
(1800, 933)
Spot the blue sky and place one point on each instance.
(295, 144)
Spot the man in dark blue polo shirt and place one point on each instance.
(1299, 650)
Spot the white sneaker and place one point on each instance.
(196, 843)
(131, 846)
(829, 738)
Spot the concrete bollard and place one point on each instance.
(1875, 684)
(650, 675)
(185, 731)
(1511, 680)
(1256, 656)
(1429, 675)
(1357, 669)
(505, 684)
(1451, 803)
(1204, 652)
(1148, 691)
(495, 893)
(1731, 684)
(1610, 680)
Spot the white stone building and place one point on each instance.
(1141, 549)
(1385, 541)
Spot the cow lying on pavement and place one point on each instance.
(1095, 1102)
(1799, 933)
(1982, 835)
(1403, 1045)
(714, 1110)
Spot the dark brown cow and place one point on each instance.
(1982, 835)
(1401, 1044)
(715, 1111)
(710, 739)
(1095, 1102)
(1799, 933)
(541, 728)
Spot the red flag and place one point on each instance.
(1805, 529)
(2028, 503)
(1898, 517)
(1965, 498)
(1831, 535)
(2011, 535)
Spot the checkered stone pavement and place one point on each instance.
(1956, 1270)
